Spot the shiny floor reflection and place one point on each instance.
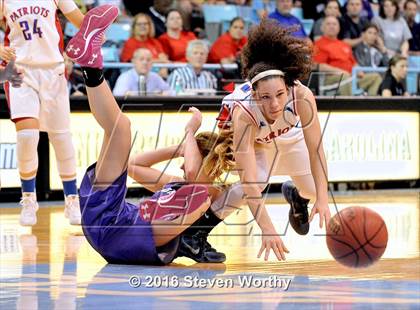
(52, 266)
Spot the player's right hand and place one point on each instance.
(272, 241)
(7, 53)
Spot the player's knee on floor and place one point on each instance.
(64, 152)
(26, 150)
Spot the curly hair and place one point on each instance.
(272, 47)
(217, 152)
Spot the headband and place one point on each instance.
(266, 73)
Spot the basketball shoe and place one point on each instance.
(72, 209)
(193, 242)
(298, 213)
(29, 208)
(85, 47)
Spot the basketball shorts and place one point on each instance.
(44, 96)
(114, 227)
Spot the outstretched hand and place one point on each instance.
(324, 213)
(272, 242)
(195, 121)
(12, 74)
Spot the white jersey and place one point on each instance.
(286, 129)
(33, 29)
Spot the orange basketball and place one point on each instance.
(357, 237)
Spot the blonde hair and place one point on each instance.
(149, 21)
(217, 152)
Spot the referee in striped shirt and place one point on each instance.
(192, 76)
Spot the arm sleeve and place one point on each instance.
(66, 6)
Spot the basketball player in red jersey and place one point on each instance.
(276, 131)
(34, 37)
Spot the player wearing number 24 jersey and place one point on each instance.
(34, 40)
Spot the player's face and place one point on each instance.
(271, 96)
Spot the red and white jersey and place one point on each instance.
(286, 129)
(34, 31)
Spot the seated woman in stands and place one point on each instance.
(393, 83)
(227, 47)
(175, 40)
(143, 36)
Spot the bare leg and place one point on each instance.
(116, 144)
(306, 186)
(165, 231)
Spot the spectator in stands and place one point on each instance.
(128, 83)
(393, 28)
(394, 80)
(175, 40)
(143, 35)
(332, 8)
(193, 16)
(371, 52)
(410, 11)
(239, 2)
(263, 8)
(334, 55)
(367, 11)
(74, 78)
(352, 23)
(192, 76)
(286, 19)
(216, 2)
(158, 14)
(226, 49)
(135, 7)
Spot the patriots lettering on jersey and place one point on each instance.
(32, 10)
(274, 134)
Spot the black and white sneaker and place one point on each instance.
(298, 213)
(199, 249)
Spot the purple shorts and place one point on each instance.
(113, 226)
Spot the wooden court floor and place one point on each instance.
(51, 265)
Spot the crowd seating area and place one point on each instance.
(217, 17)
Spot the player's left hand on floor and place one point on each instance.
(324, 213)
(272, 242)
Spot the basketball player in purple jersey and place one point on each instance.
(34, 38)
(148, 233)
